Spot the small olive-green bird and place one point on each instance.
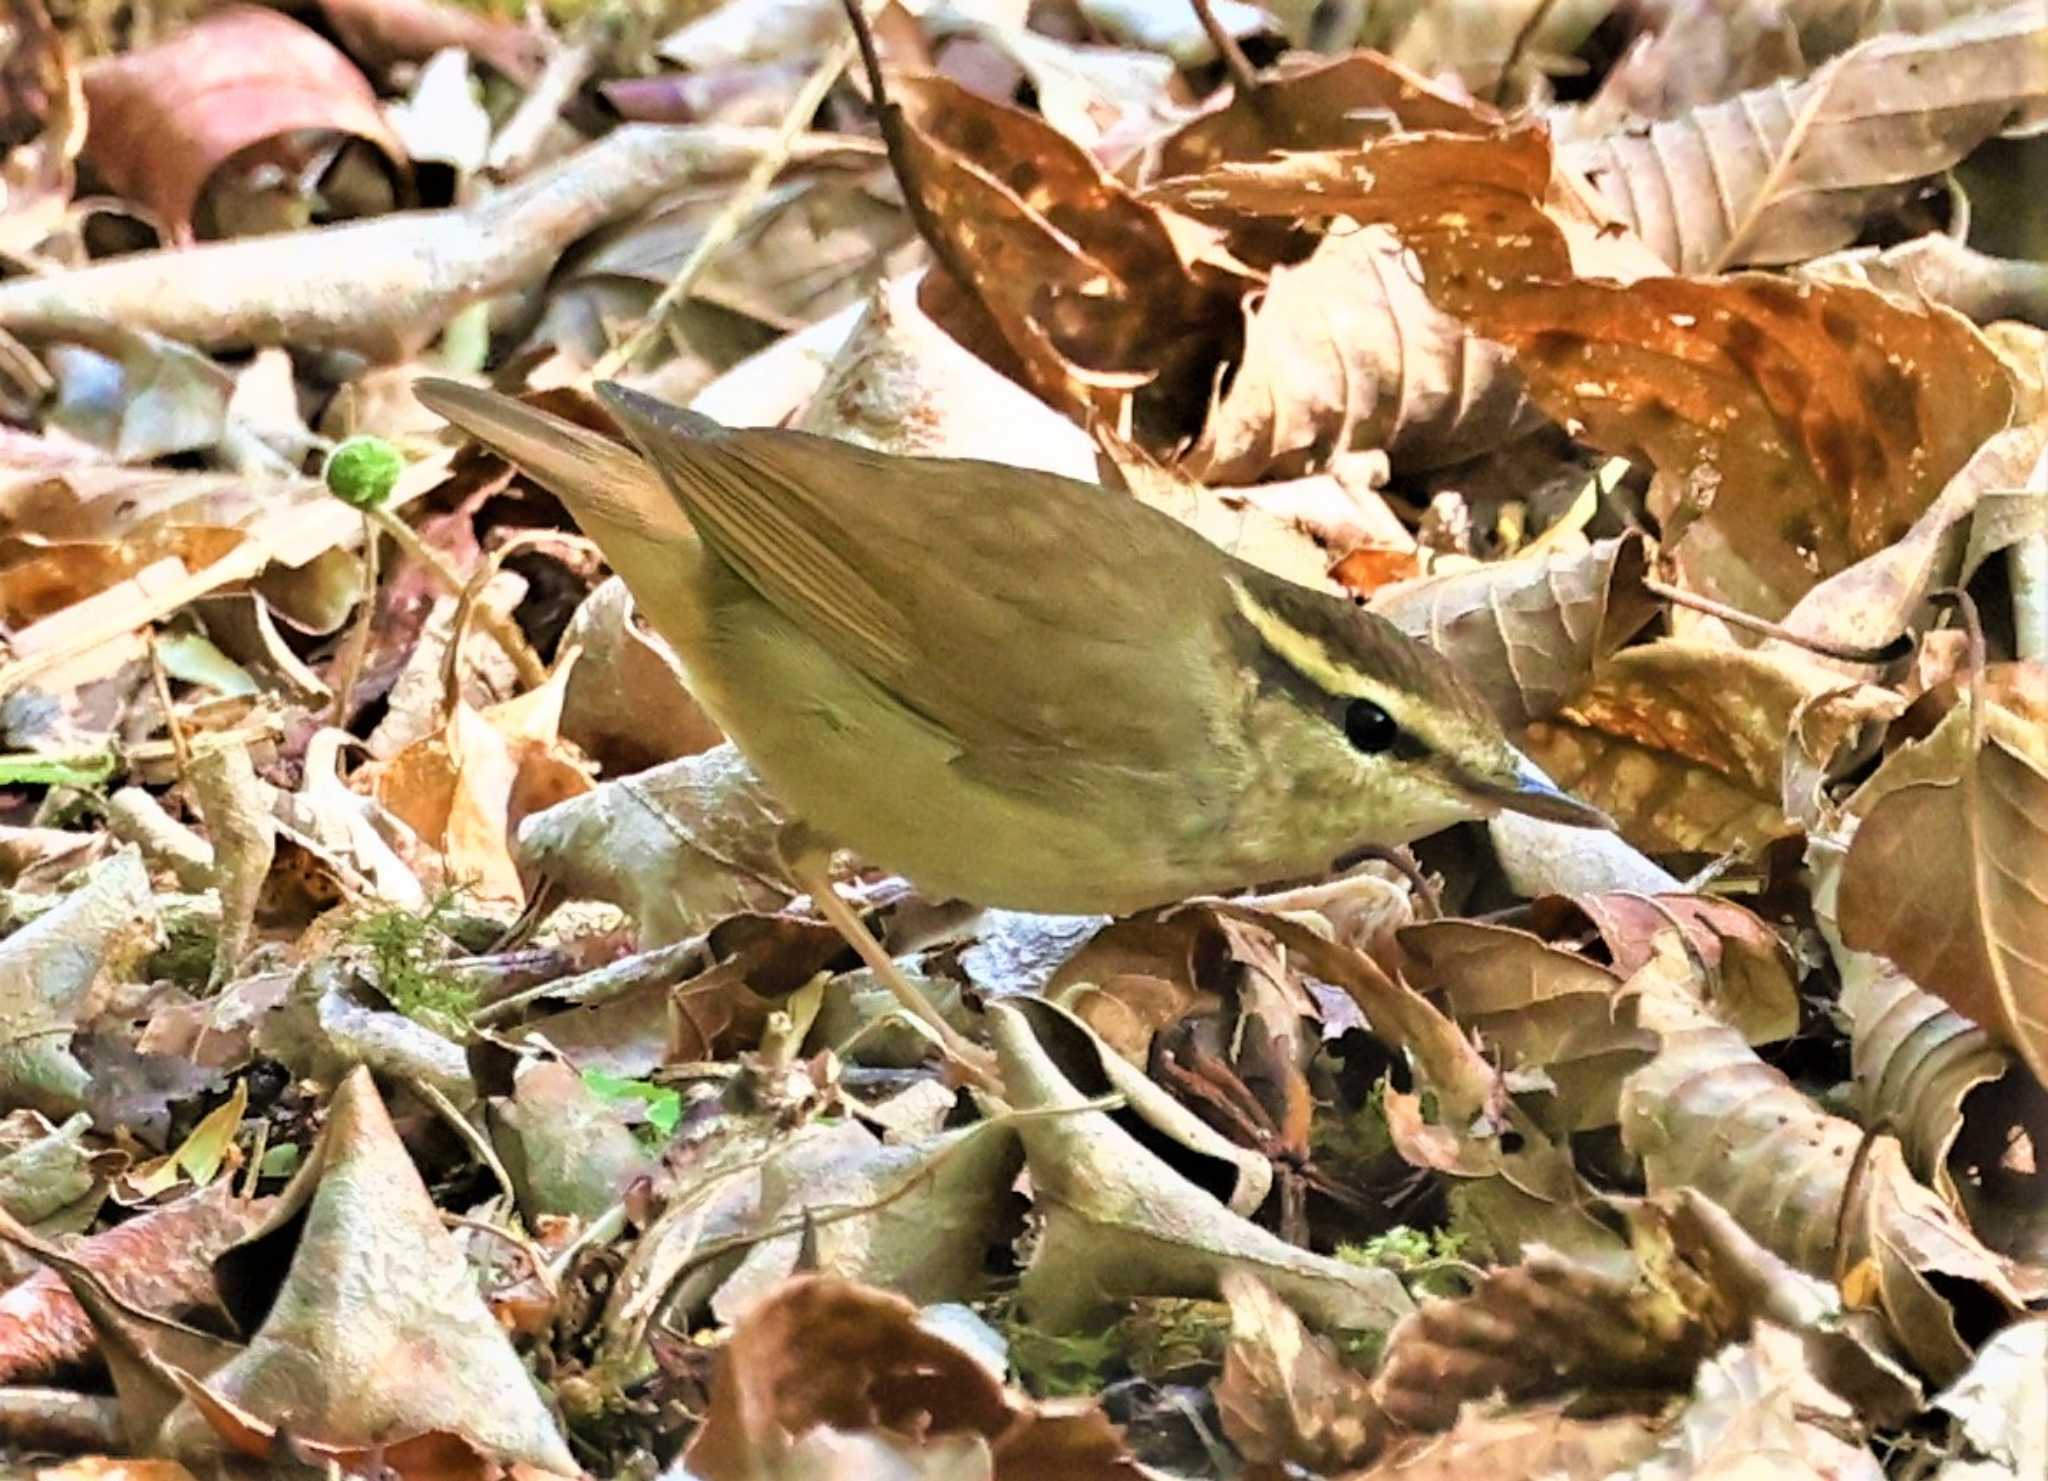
(1009, 686)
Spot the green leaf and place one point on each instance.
(664, 1105)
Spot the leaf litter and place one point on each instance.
(416, 1056)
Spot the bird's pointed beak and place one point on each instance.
(1527, 790)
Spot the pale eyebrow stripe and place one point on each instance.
(1309, 657)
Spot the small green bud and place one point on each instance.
(363, 471)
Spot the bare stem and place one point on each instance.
(1235, 62)
(1897, 648)
(532, 672)
(738, 206)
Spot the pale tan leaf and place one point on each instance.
(1707, 1113)
(1756, 1401)
(901, 384)
(377, 1333)
(1942, 876)
(1345, 352)
(2001, 1404)
(1121, 1221)
(1284, 1395)
(1791, 170)
(1530, 633)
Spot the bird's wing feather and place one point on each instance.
(969, 591)
(588, 472)
(771, 529)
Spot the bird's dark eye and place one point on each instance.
(1369, 727)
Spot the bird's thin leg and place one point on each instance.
(808, 867)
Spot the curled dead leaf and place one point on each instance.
(166, 117)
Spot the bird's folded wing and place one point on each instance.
(775, 530)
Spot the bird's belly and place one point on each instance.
(868, 776)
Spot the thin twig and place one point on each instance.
(1243, 76)
(358, 649)
(896, 139)
(1896, 649)
(532, 672)
(738, 206)
(162, 681)
(1523, 36)
(460, 1124)
(519, 142)
(528, 1250)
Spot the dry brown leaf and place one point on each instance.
(826, 1352)
(1790, 171)
(1797, 427)
(1750, 977)
(1284, 1395)
(628, 705)
(161, 1261)
(1959, 1102)
(1872, 602)
(1530, 633)
(1550, 1013)
(678, 848)
(1062, 1055)
(1094, 292)
(1689, 1246)
(465, 789)
(1135, 977)
(166, 117)
(1812, 1188)
(1541, 1328)
(1687, 745)
(146, 1355)
(39, 82)
(380, 32)
(377, 1336)
(1121, 1221)
(1942, 874)
(1516, 1184)
(1312, 103)
(1346, 350)
(930, 1212)
(1470, 204)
